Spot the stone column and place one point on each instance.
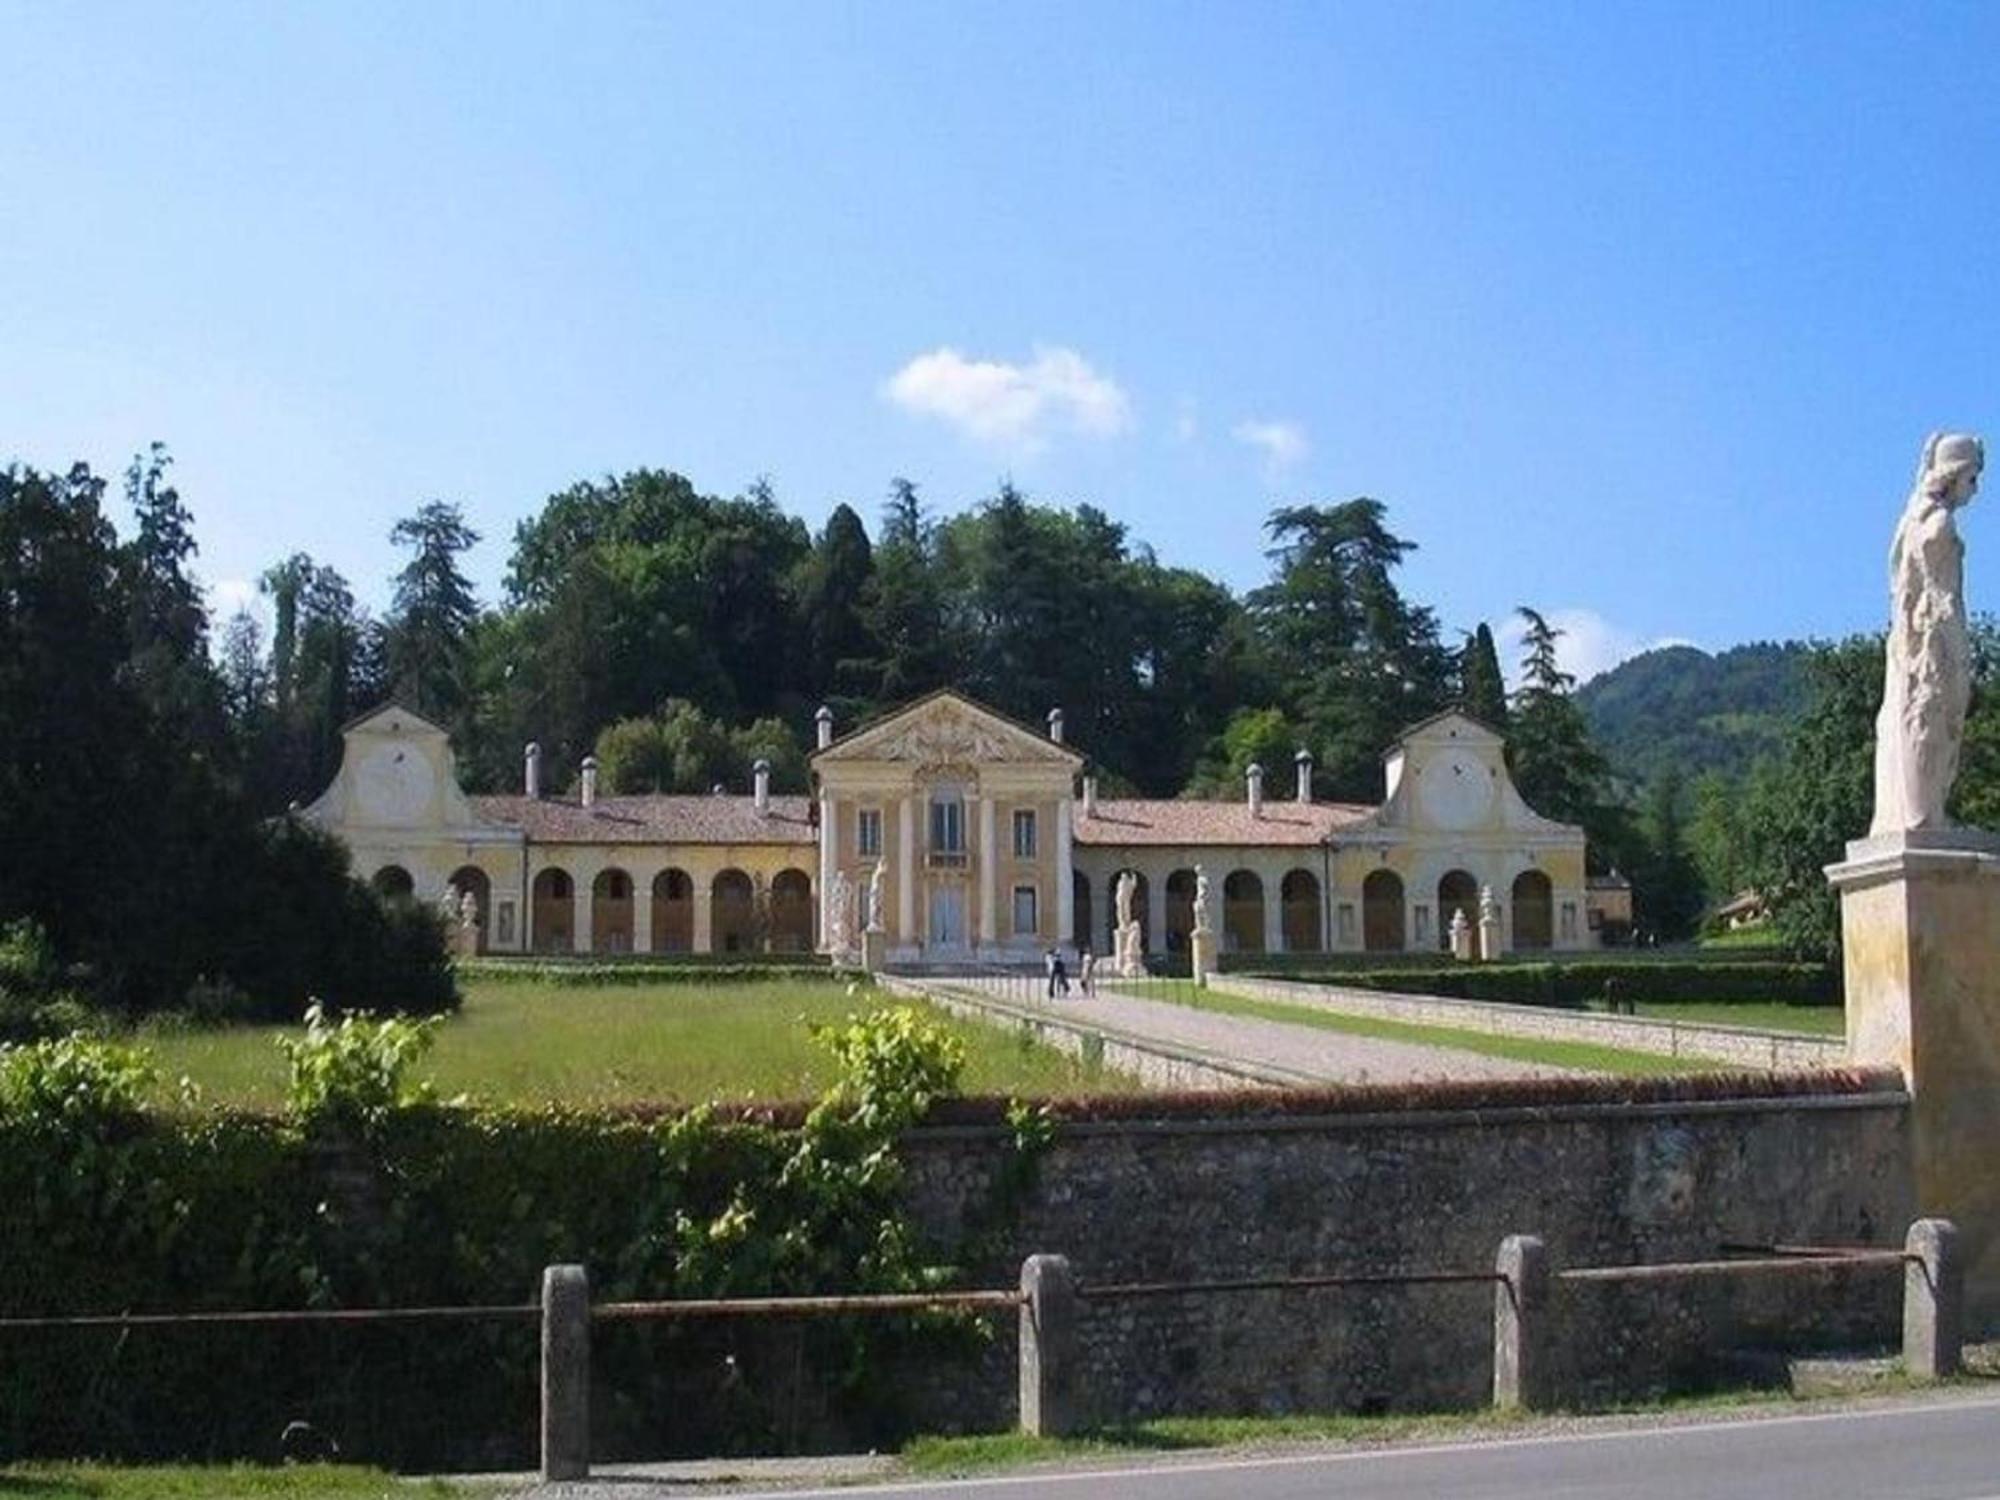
(1048, 1347)
(1156, 912)
(1520, 1318)
(642, 912)
(565, 1373)
(829, 854)
(1920, 936)
(1065, 877)
(906, 876)
(1933, 1298)
(702, 939)
(989, 863)
(1274, 913)
(579, 895)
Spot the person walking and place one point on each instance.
(1061, 976)
(1086, 972)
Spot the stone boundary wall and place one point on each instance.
(1603, 1182)
(1742, 1046)
(1152, 1062)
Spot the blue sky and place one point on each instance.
(1638, 314)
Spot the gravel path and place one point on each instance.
(1330, 1056)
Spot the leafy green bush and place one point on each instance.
(353, 1073)
(1574, 985)
(73, 1084)
(36, 997)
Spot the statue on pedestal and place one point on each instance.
(1927, 681)
(1200, 899)
(840, 916)
(1131, 961)
(875, 898)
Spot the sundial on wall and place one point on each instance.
(1456, 790)
(392, 784)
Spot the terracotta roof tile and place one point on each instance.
(1151, 822)
(652, 819)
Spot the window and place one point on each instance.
(947, 826)
(1024, 833)
(1024, 909)
(868, 833)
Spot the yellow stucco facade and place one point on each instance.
(983, 839)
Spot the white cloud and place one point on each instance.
(1589, 643)
(1283, 445)
(1187, 421)
(232, 594)
(1016, 406)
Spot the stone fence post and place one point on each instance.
(1520, 1325)
(1933, 1300)
(565, 1373)
(1048, 1346)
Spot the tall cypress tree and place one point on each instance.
(427, 640)
(1555, 763)
(1482, 690)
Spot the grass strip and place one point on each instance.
(76, 1481)
(1586, 1057)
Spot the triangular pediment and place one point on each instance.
(948, 729)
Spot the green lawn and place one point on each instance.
(1586, 1056)
(241, 1482)
(1814, 1020)
(620, 1044)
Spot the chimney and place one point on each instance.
(1055, 725)
(1304, 761)
(1254, 780)
(761, 771)
(590, 781)
(532, 777)
(1090, 796)
(824, 721)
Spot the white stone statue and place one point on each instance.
(840, 915)
(1489, 908)
(468, 908)
(876, 904)
(1128, 892)
(1928, 679)
(1200, 899)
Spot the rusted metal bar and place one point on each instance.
(522, 1311)
(1695, 1268)
(1808, 1252)
(783, 1307)
(1129, 1289)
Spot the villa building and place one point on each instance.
(982, 839)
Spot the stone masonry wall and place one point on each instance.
(1602, 1183)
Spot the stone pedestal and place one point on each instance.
(1489, 940)
(1920, 923)
(1131, 953)
(1201, 954)
(874, 950)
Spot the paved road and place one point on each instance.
(1329, 1056)
(1946, 1449)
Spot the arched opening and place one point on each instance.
(471, 880)
(611, 912)
(1458, 891)
(791, 912)
(732, 914)
(673, 912)
(1079, 906)
(1382, 912)
(1534, 914)
(1141, 908)
(1243, 913)
(555, 912)
(1300, 897)
(1180, 910)
(394, 883)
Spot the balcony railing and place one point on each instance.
(947, 859)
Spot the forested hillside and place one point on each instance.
(1698, 713)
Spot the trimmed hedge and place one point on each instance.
(565, 972)
(1573, 985)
